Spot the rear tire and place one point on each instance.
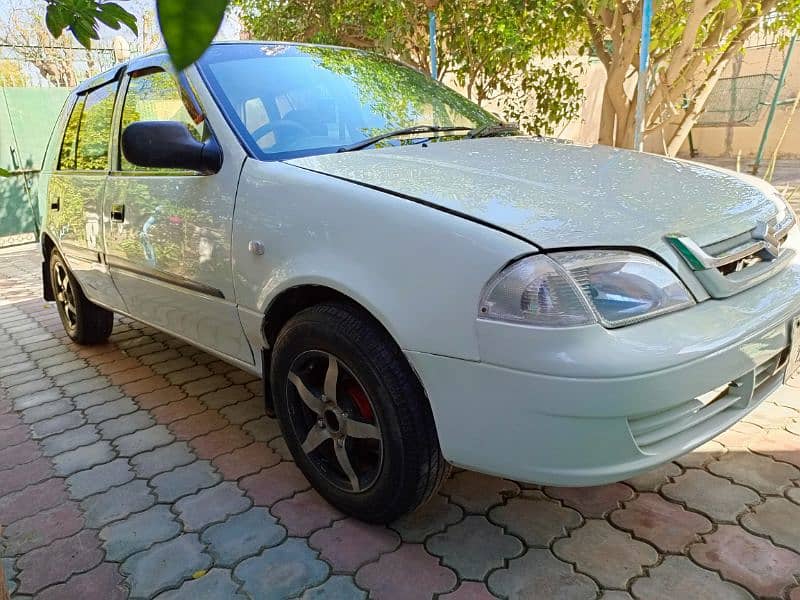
(85, 322)
(354, 415)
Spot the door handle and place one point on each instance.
(118, 213)
(56, 204)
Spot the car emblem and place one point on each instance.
(766, 233)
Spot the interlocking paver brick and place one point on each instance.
(219, 442)
(276, 483)
(65, 367)
(110, 410)
(31, 500)
(82, 458)
(340, 587)
(9, 420)
(47, 410)
(714, 496)
(225, 397)
(793, 494)
(771, 416)
(58, 424)
(116, 503)
(23, 389)
(97, 397)
(780, 445)
(172, 366)
(101, 583)
(138, 532)
(145, 349)
(115, 366)
(666, 525)
(621, 557)
(777, 518)
(539, 574)
(282, 571)
(69, 440)
(130, 375)
(165, 565)
(86, 385)
(74, 376)
(476, 493)
(751, 561)
(348, 543)
(211, 505)
(535, 518)
(263, 429)
(165, 458)
(37, 398)
(679, 577)
(12, 368)
(387, 579)
(99, 478)
(20, 454)
(217, 583)
(145, 386)
(158, 357)
(143, 440)
(159, 398)
(246, 461)
(199, 424)
(185, 480)
(126, 424)
(469, 590)
(244, 411)
(24, 475)
(23, 377)
(432, 517)
(474, 547)
(304, 513)
(187, 375)
(278, 445)
(199, 387)
(13, 436)
(760, 472)
(42, 528)
(175, 411)
(702, 455)
(56, 562)
(593, 502)
(242, 536)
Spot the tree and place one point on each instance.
(692, 43)
(490, 47)
(11, 74)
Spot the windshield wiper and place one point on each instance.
(492, 130)
(365, 143)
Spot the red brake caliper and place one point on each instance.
(360, 398)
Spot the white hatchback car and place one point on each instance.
(418, 283)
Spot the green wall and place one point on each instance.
(27, 117)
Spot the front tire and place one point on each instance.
(354, 415)
(85, 322)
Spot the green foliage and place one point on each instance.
(4, 172)
(81, 17)
(188, 29)
(490, 47)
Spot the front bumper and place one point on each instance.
(589, 406)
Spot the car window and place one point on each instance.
(154, 95)
(94, 132)
(320, 99)
(66, 157)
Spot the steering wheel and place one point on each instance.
(285, 125)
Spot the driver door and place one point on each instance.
(168, 241)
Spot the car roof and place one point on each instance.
(112, 73)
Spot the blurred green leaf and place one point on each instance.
(188, 27)
(4, 172)
(114, 16)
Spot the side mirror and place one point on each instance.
(169, 145)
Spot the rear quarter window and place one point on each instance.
(94, 131)
(66, 156)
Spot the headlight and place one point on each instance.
(611, 287)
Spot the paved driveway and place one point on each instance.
(146, 468)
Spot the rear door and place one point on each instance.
(76, 188)
(169, 239)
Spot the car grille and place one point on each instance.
(731, 266)
(656, 432)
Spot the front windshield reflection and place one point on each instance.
(288, 101)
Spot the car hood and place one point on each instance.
(558, 194)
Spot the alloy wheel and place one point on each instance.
(335, 421)
(65, 296)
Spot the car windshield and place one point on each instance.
(286, 101)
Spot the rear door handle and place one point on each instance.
(118, 213)
(56, 204)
